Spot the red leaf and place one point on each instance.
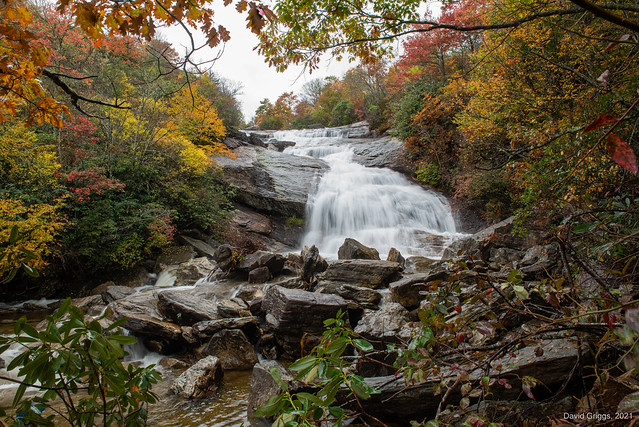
(622, 153)
(610, 319)
(613, 44)
(600, 121)
(539, 351)
(458, 308)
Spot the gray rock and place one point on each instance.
(263, 387)
(223, 256)
(144, 320)
(368, 273)
(279, 145)
(249, 325)
(395, 256)
(174, 255)
(407, 290)
(364, 297)
(200, 380)
(92, 305)
(233, 349)
(259, 275)
(293, 313)
(234, 307)
(173, 364)
(114, 293)
(248, 293)
(383, 325)
(419, 264)
(271, 181)
(312, 263)
(352, 249)
(190, 272)
(185, 308)
(202, 248)
(382, 153)
(274, 262)
(539, 260)
(247, 220)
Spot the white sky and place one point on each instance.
(240, 63)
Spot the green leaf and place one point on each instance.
(277, 377)
(583, 228)
(363, 345)
(303, 363)
(13, 237)
(272, 406)
(336, 411)
(310, 397)
(123, 339)
(521, 292)
(30, 270)
(338, 346)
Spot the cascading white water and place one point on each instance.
(376, 206)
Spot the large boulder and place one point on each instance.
(185, 308)
(249, 325)
(352, 249)
(174, 255)
(263, 387)
(233, 348)
(368, 273)
(200, 380)
(202, 248)
(145, 321)
(234, 307)
(274, 262)
(293, 313)
(271, 181)
(362, 297)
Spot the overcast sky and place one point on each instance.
(240, 63)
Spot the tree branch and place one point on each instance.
(602, 13)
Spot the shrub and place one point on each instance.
(78, 363)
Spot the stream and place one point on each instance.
(376, 206)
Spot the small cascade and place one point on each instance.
(376, 206)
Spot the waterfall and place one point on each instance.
(376, 206)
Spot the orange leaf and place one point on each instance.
(600, 121)
(622, 153)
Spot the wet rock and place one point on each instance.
(253, 222)
(248, 325)
(92, 305)
(291, 283)
(395, 256)
(279, 145)
(190, 272)
(292, 313)
(202, 248)
(233, 348)
(144, 319)
(364, 297)
(312, 263)
(368, 273)
(185, 308)
(419, 264)
(248, 293)
(271, 181)
(382, 153)
(407, 290)
(352, 249)
(263, 387)
(114, 293)
(200, 380)
(234, 307)
(259, 275)
(173, 364)
(274, 262)
(505, 256)
(383, 325)
(189, 336)
(174, 255)
(223, 256)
